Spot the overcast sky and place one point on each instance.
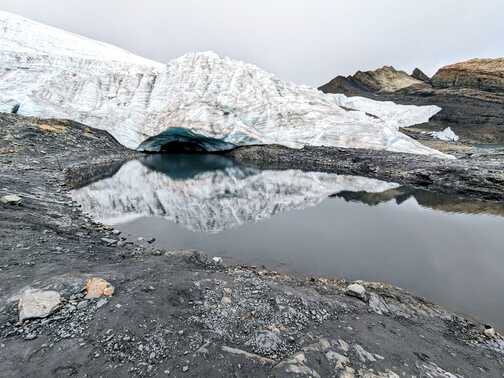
(305, 41)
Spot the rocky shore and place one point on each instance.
(78, 299)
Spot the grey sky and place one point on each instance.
(305, 41)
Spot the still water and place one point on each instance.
(449, 250)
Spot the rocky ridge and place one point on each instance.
(471, 95)
(481, 74)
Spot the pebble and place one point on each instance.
(185, 368)
(35, 304)
(217, 260)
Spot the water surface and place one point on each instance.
(444, 248)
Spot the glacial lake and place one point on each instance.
(447, 249)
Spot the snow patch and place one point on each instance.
(447, 135)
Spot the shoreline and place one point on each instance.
(180, 313)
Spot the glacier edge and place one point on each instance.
(51, 73)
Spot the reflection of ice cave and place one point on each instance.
(212, 200)
(52, 73)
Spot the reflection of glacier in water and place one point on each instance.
(206, 193)
(442, 247)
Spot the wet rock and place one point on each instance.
(356, 290)
(97, 288)
(35, 304)
(11, 199)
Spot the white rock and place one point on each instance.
(55, 74)
(490, 333)
(377, 304)
(356, 290)
(364, 355)
(348, 373)
(343, 345)
(11, 199)
(340, 360)
(226, 300)
(35, 304)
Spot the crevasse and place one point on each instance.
(51, 73)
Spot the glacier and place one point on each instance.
(49, 73)
(210, 196)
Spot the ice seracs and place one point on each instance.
(53, 73)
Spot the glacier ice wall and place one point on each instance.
(53, 73)
(212, 200)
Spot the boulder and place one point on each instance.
(97, 288)
(356, 290)
(11, 199)
(35, 304)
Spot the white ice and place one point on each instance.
(51, 73)
(447, 135)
